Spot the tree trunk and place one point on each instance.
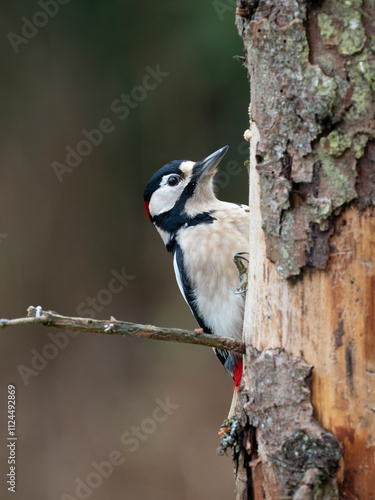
(307, 404)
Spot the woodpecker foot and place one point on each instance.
(198, 331)
(230, 435)
(241, 264)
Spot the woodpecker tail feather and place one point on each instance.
(237, 374)
(232, 363)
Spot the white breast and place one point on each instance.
(208, 251)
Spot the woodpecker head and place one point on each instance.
(181, 191)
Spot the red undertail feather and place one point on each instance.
(237, 374)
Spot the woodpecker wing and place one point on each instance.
(186, 287)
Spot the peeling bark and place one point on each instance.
(292, 450)
(312, 74)
(310, 307)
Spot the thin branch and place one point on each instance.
(36, 316)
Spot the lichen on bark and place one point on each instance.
(312, 76)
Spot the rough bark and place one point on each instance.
(311, 297)
(312, 75)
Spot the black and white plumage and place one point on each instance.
(203, 234)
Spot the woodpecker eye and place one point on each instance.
(173, 180)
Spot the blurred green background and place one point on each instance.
(64, 238)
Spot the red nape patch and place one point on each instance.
(237, 374)
(147, 210)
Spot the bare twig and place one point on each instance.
(36, 316)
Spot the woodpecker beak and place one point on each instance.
(207, 167)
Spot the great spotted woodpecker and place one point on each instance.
(204, 235)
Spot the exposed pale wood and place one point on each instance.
(312, 240)
(327, 318)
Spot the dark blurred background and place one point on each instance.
(67, 233)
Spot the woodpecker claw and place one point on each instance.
(242, 272)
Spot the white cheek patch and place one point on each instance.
(165, 198)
